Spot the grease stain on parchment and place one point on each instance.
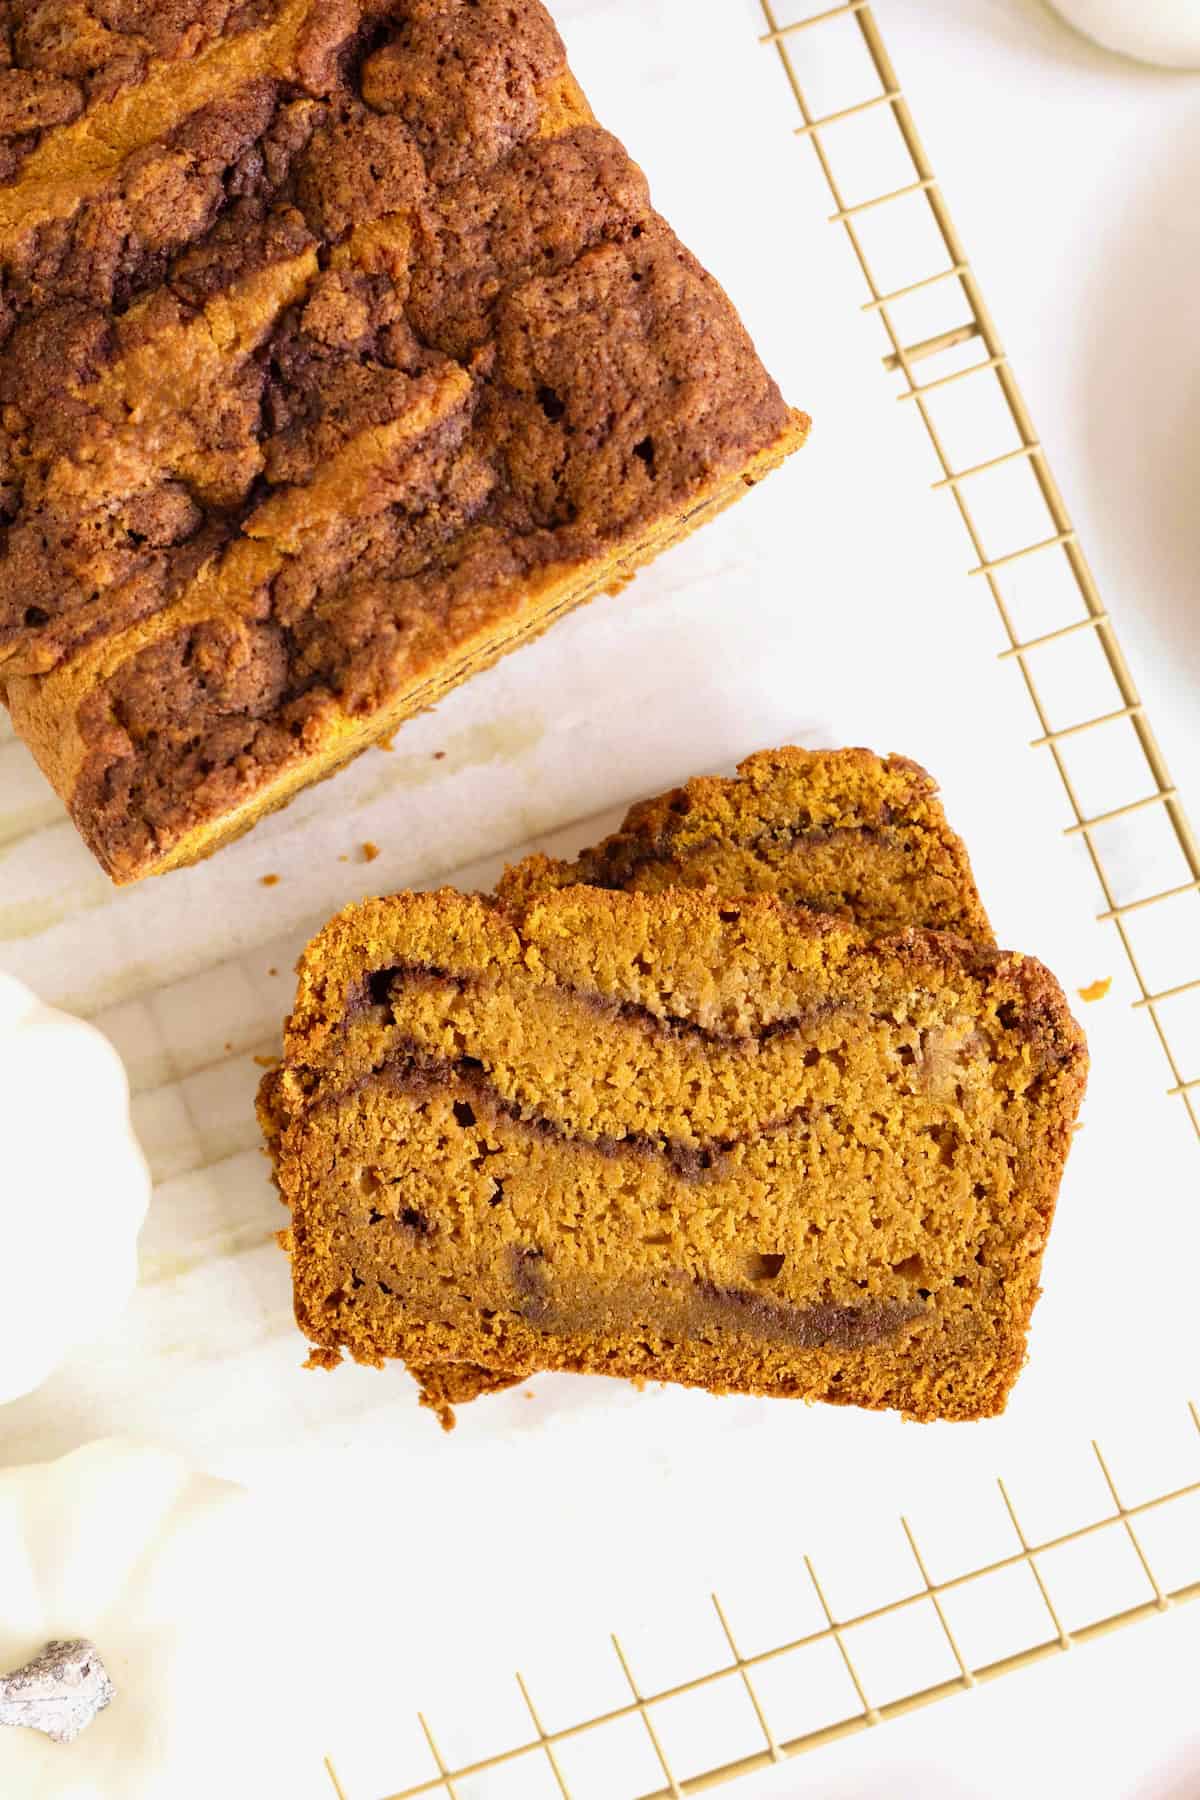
(155, 1267)
(23, 821)
(494, 740)
(30, 918)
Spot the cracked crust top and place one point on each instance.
(359, 324)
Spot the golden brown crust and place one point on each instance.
(842, 831)
(372, 357)
(724, 1142)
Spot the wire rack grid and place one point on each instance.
(977, 328)
(543, 1751)
(966, 350)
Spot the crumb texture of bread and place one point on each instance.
(371, 358)
(677, 1135)
(846, 832)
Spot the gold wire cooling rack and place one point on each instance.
(968, 350)
(935, 1598)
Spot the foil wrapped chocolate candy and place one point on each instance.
(59, 1691)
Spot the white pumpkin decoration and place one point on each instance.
(74, 1191)
(186, 1590)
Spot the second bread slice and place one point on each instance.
(846, 832)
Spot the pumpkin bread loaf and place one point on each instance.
(341, 351)
(729, 1143)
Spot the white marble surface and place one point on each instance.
(831, 606)
(1073, 175)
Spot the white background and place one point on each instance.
(832, 606)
